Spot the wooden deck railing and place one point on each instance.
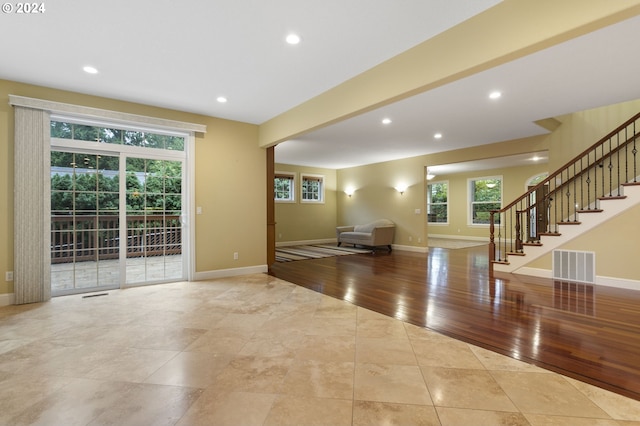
(90, 237)
(598, 172)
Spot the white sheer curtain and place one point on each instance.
(32, 206)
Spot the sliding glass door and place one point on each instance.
(85, 222)
(117, 208)
(154, 220)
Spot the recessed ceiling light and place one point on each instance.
(90, 70)
(293, 39)
(386, 121)
(221, 99)
(495, 95)
(438, 135)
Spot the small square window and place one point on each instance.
(284, 187)
(312, 189)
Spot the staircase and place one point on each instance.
(600, 183)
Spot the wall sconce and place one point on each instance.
(349, 191)
(401, 188)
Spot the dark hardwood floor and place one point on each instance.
(590, 333)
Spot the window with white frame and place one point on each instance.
(437, 202)
(284, 187)
(485, 194)
(312, 189)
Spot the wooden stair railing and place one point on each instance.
(598, 172)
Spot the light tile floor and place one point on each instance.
(256, 350)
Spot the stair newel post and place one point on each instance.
(634, 151)
(549, 204)
(602, 171)
(567, 185)
(561, 197)
(574, 206)
(588, 182)
(553, 202)
(530, 214)
(492, 244)
(595, 177)
(626, 154)
(518, 232)
(618, 155)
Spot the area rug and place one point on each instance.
(317, 251)
(452, 244)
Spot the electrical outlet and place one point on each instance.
(8, 276)
(235, 256)
(410, 238)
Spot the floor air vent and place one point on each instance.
(572, 265)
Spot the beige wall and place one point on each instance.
(375, 197)
(230, 181)
(307, 221)
(6, 191)
(581, 130)
(231, 189)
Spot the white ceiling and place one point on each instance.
(183, 55)
(598, 69)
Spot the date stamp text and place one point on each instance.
(23, 8)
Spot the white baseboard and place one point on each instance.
(7, 299)
(233, 272)
(307, 242)
(618, 283)
(410, 248)
(600, 280)
(458, 237)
